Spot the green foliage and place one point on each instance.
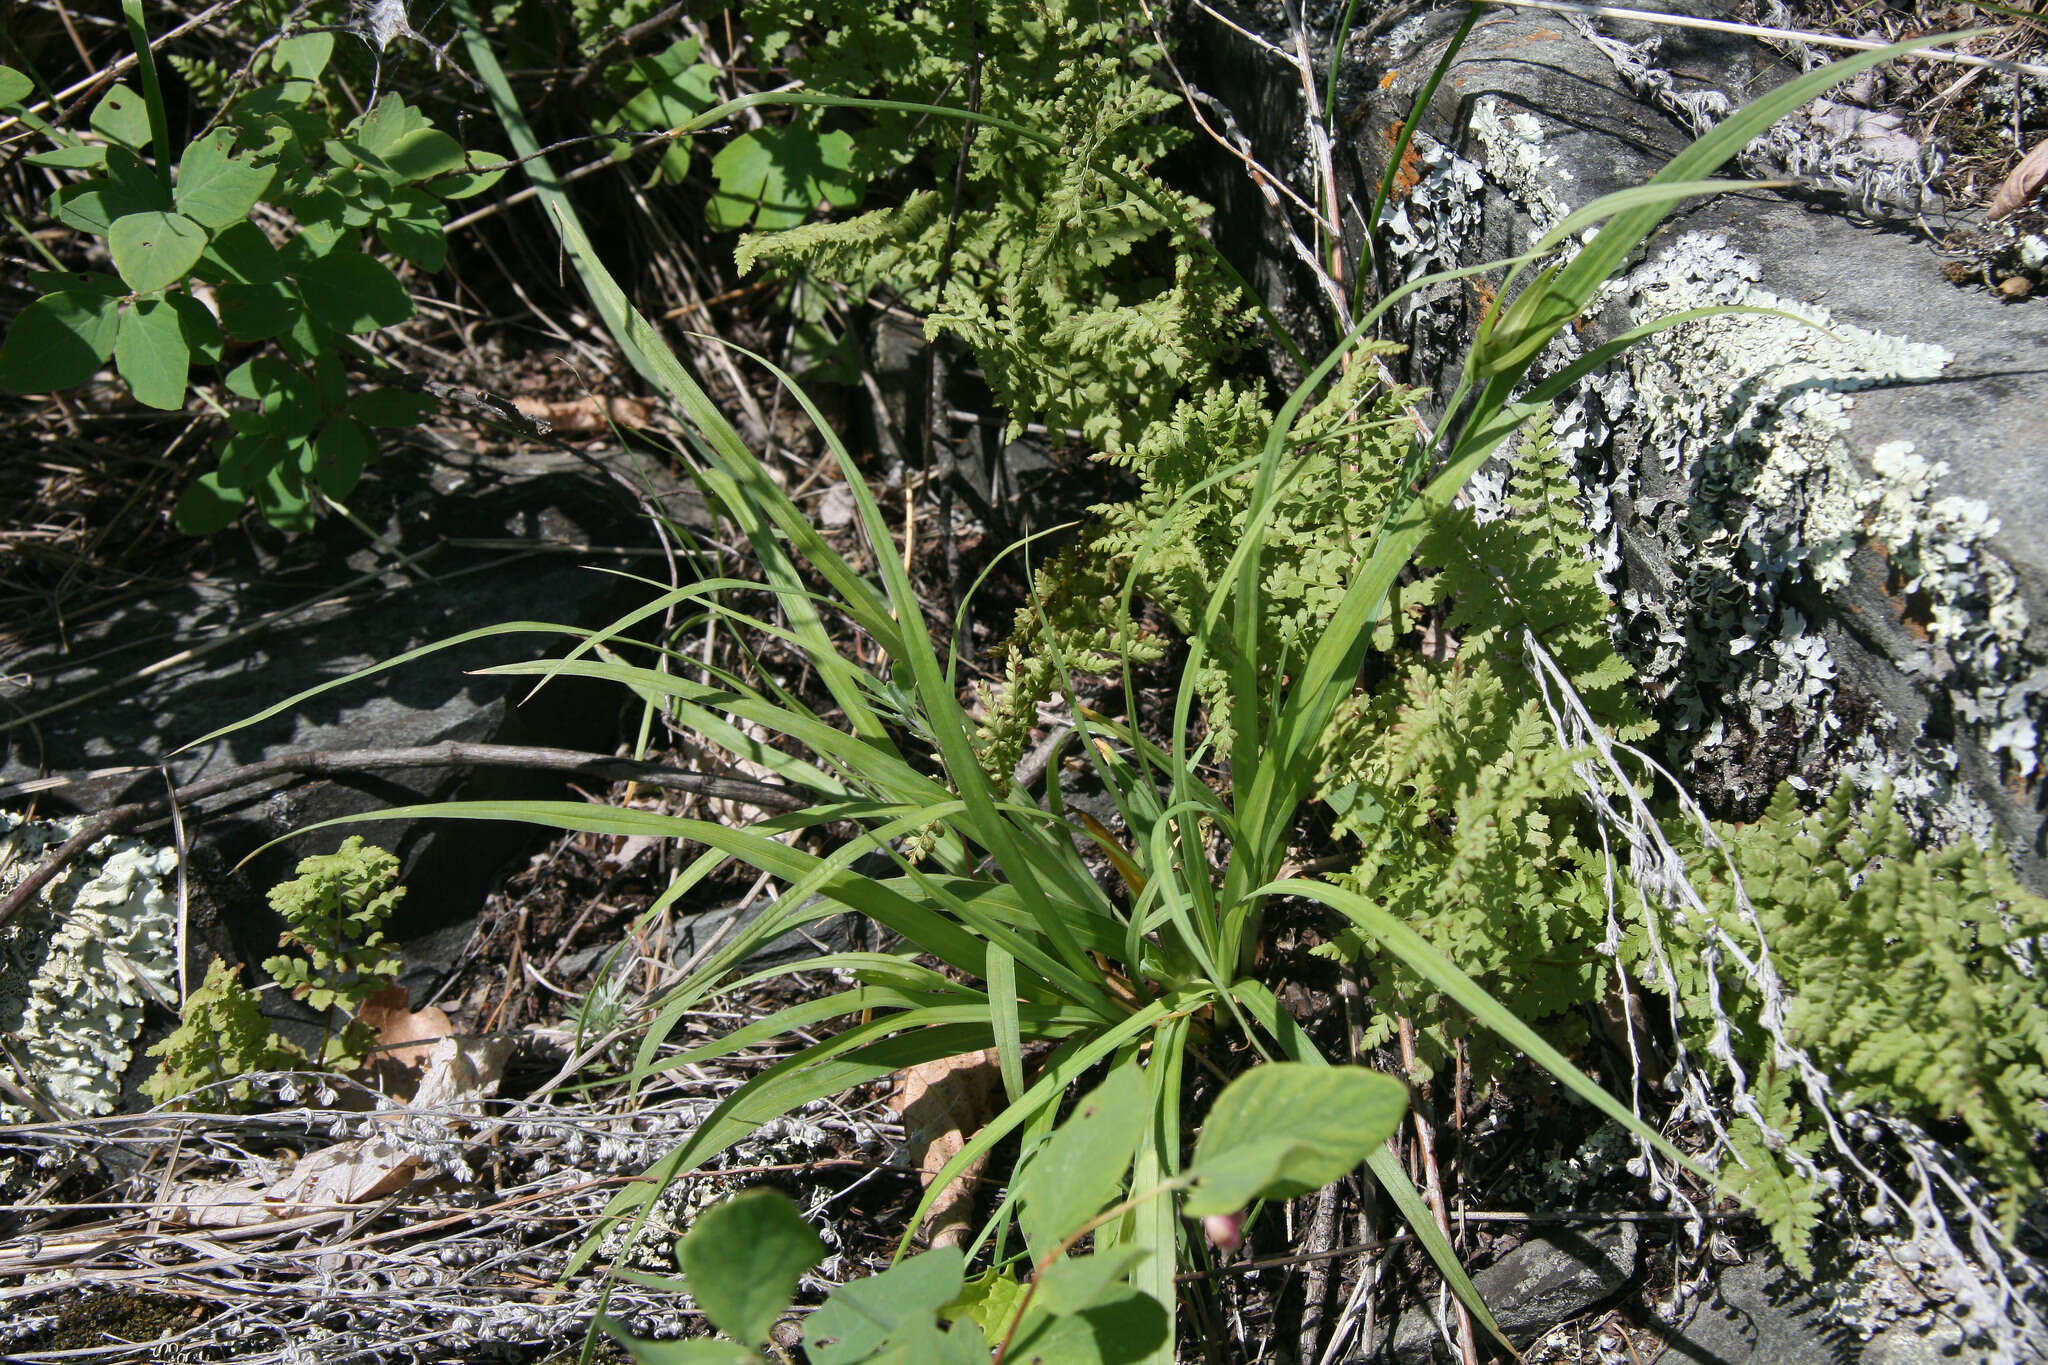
(1170, 544)
(1912, 976)
(195, 273)
(1465, 809)
(1008, 941)
(663, 91)
(335, 911)
(1051, 264)
(221, 1036)
(1276, 1131)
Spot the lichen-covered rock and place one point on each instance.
(1826, 532)
(79, 966)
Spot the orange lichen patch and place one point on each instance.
(1387, 81)
(1485, 293)
(1913, 610)
(1410, 173)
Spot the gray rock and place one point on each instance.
(1758, 1315)
(1553, 1277)
(1931, 1343)
(277, 616)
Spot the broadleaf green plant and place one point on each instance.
(742, 1261)
(196, 275)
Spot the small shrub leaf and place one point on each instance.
(784, 175)
(353, 292)
(485, 171)
(245, 254)
(898, 1306)
(414, 234)
(304, 57)
(424, 152)
(252, 312)
(1073, 1284)
(391, 407)
(198, 326)
(216, 189)
(155, 250)
(58, 342)
(1076, 1171)
(122, 116)
(90, 156)
(14, 86)
(151, 354)
(743, 1260)
(206, 506)
(340, 451)
(1124, 1328)
(1287, 1129)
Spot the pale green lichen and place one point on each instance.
(79, 965)
(1752, 411)
(1512, 154)
(1751, 414)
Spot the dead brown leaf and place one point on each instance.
(943, 1104)
(405, 1039)
(2022, 185)
(348, 1173)
(461, 1072)
(587, 413)
(214, 1204)
(457, 1073)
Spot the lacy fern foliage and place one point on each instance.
(1465, 808)
(1056, 265)
(1913, 978)
(221, 1035)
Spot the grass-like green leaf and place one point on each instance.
(696, 1351)
(1414, 951)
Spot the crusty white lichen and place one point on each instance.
(1751, 413)
(1975, 612)
(78, 966)
(1425, 231)
(1511, 147)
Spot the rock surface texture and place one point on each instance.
(485, 541)
(1827, 534)
(1552, 1278)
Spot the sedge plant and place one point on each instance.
(1035, 958)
